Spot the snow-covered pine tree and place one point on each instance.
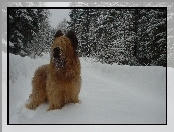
(121, 35)
(86, 19)
(75, 24)
(114, 35)
(160, 38)
(93, 33)
(19, 20)
(43, 37)
(105, 34)
(29, 31)
(62, 26)
(152, 36)
(74, 14)
(124, 37)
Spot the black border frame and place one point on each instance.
(75, 8)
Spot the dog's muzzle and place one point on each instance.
(58, 58)
(56, 52)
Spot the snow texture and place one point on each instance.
(110, 94)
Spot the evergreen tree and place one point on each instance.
(29, 31)
(152, 36)
(42, 39)
(73, 19)
(18, 21)
(62, 26)
(124, 36)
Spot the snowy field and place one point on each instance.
(110, 94)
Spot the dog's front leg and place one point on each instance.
(54, 95)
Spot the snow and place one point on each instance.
(11, 44)
(109, 94)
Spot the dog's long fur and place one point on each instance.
(58, 82)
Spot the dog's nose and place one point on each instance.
(56, 52)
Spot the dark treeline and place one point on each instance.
(125, 36)
(29, 31)
(129, 36)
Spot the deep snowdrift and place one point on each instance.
(109, 94)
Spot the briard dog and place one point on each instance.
(59, 81)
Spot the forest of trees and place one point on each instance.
(132, 36)
(128, 36)
(29, 31)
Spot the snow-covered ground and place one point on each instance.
(110, 94)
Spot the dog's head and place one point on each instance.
(64, 48)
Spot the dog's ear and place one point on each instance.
(58, 34)
(72, 36)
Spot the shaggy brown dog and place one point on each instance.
(58, 82)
